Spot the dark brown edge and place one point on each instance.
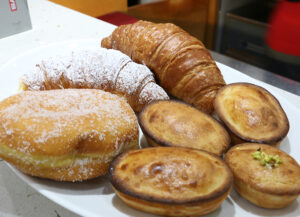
(254, 186)
(161, 142)
(247, 139)
(210, 197)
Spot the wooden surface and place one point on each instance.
(198, 17)
(94, 8)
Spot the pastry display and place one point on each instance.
(251, 114)
(264, 175)
(65, 135)
(181, 63)
(171, 181)
(78, 115)
(108, 70)
(173, 123)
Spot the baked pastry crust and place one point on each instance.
(181, 63)
(66, 135)
(103, 69)
(251, 114)
(173, 123)
(266, 187)
(171, 181)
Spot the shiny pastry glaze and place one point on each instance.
(181, 63)
(170, 175)
(173, 123)
(251, 113)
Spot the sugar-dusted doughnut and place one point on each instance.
(67, 135)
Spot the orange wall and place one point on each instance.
(94, 8)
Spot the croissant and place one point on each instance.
(181, 63)
(101, 68)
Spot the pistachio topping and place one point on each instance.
(269, 161)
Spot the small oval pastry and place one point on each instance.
(264, 175)
(171, 181)
(173, 123)
(251, 114)
(65, 135)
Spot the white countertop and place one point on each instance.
(51, 23)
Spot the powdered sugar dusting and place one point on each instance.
(149, 95)
(55, 122)
(101, 68)
(35, 79)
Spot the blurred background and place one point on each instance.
(264, 33)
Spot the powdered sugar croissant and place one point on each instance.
(181, 63)
(104, 69)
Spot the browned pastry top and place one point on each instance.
(281, 180)
(172, 123)
(252, 113)
(66, 122)
(170, 175)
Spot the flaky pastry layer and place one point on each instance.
(181, 63)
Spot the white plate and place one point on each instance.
(96, 197)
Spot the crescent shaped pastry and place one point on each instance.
(181, 63)
(103, 69)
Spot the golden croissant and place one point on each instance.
(181, 63)
(104, 69)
